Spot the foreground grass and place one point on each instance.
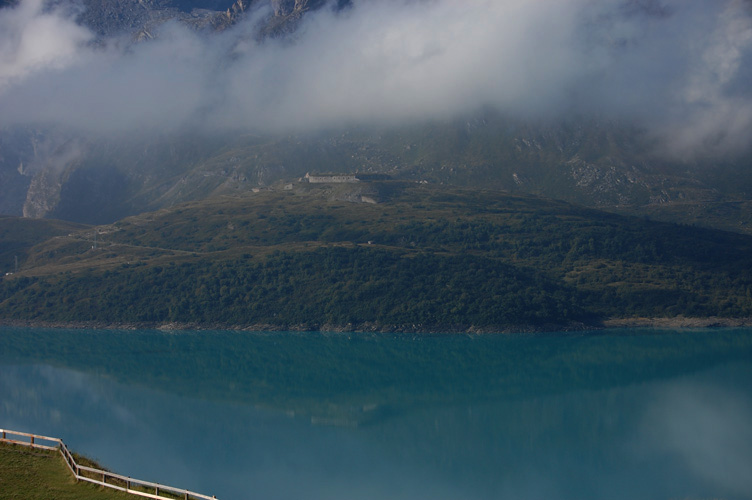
(30, 474)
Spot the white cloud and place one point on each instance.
(34, 38)
(708, 427)
(676, 66)
(716, 97)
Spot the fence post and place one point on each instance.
(71, 461)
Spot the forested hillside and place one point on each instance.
(424, 259)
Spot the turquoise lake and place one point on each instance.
(614, 414)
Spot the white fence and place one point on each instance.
(98, 476)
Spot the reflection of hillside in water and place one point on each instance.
(342, 379)
(644, 440)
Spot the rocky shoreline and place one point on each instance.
(679, 322)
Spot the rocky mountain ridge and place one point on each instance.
(140, 18)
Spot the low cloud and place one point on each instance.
(708, 428)
(679, 68)
(35, 37)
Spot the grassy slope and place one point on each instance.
(41, 475)
(18, 235)
(424, 259)
(582, 161)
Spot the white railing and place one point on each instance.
(102, 477)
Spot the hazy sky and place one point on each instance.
(681, 68)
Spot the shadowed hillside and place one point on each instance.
(423, 259)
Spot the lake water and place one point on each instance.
(619, 414)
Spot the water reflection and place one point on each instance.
(667, 416)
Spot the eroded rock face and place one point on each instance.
(43, 195)
(15, 151)
(287, 7)
(32, 165)
(141, 18)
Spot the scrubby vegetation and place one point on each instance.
(426, 259)
(18, 235)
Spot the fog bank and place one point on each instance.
(680, 68)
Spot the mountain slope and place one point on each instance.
(424, 259)
(582, 161)
(69, 168)
(17, 236)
